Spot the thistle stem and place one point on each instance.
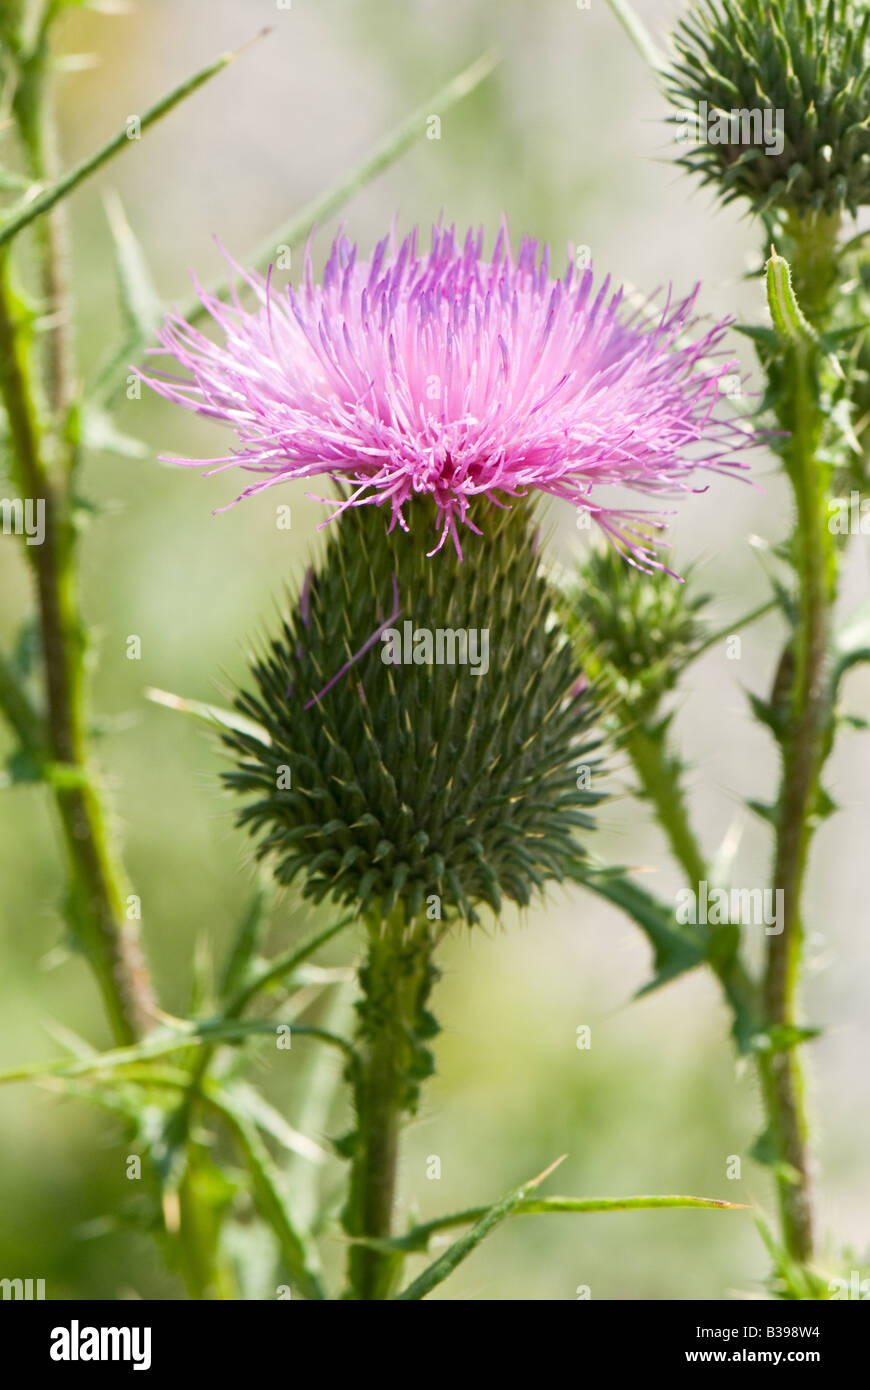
(659, 775)
(806, 737)
(660, 784)
(395, 982)
(99, 889)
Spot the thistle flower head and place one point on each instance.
(802, 64)
(428, 737)
(459, 377)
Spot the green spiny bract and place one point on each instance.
(634, 631)
(409, 781)
(809, 59)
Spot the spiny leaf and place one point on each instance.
(418, 1238)
(139, 299)
(247, 939)
(852, 641)
(165, 1042)
(439, 1270)
(674, 951)
(284, 965)
(18, 220)
(210, 714)
(638, 34)
(788, 320)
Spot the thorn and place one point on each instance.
(234, 53)
(536, 1182)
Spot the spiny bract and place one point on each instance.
(406, 780)
(634, 631)
(810, 60)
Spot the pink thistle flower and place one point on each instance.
(454, 376)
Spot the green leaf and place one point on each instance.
(283, 965)
(765, 1151)
(781, 1037)
(22, 768)
(36, 207)
(418, 1238)
(788, 320)
(770, 814)
(163, 1042)
(439, 1270)
(140, 301)
(272, 1202)
(209, 714)
(266, 1182)
(638, 34)
(674, 951)
(248, 938)
(16, 704)
(852, 642)
(248, 1103)
(789, 1279)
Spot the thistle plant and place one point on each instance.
(802, 63)
(426, 731)
(452, 387)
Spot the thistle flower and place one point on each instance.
(455, 377)
(805, 63)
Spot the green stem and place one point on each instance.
(807, 732)
(36, 127)
(393, 1024)
(659, 776)
(659, 780)
(99, 890)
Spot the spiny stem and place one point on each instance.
(395, 982)
(659, 776)
(807, 735)
(99, 889)
(660, 784)
(36, 126)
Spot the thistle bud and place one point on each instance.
(773, 99)
(427, 717)
(634, 632)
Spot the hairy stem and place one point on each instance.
(805, 738)
(393, 1024)
(659, 780)
(98, 887)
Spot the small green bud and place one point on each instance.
(634, 632)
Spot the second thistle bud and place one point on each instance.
(634, 632)
(774, 99)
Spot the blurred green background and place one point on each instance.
(568, 139)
